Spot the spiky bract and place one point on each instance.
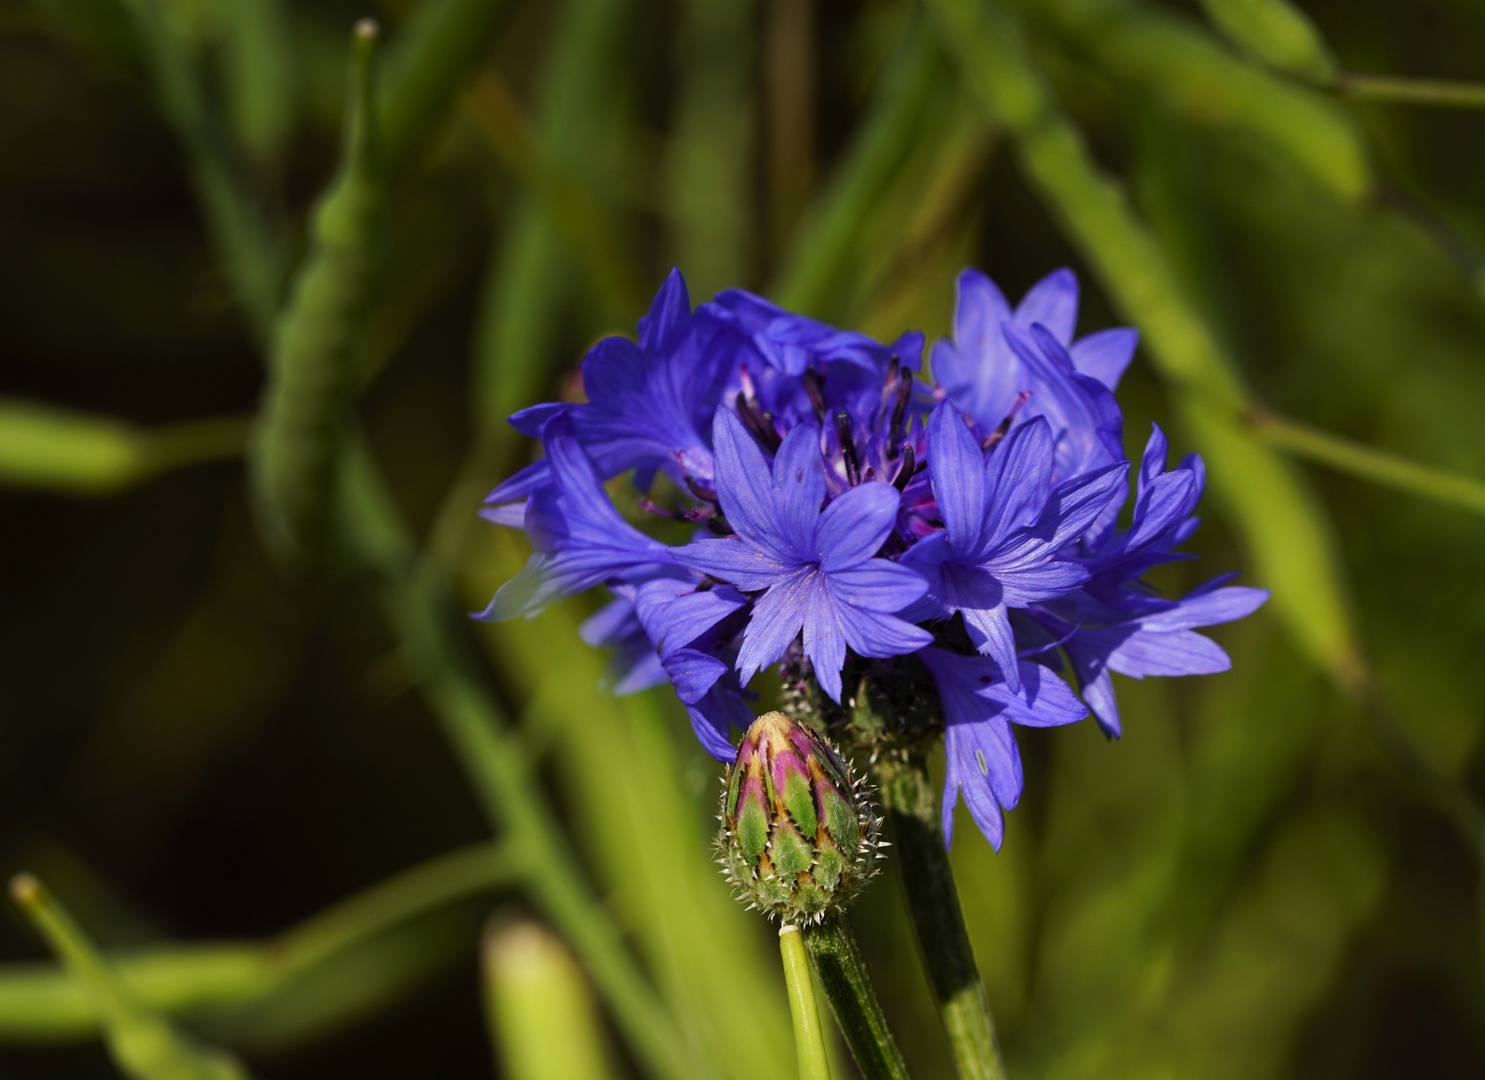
(799, 837)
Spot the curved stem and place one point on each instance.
(933, 904)
(809, 1033)
(1368, 462)
(1391, 90)
(847, 988)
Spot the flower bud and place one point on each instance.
(799, 837)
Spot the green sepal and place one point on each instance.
(790, 854)
(799, 800)
(752, 830)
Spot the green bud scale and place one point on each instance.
(799, 837)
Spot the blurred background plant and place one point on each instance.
(279, 783)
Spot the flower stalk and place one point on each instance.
(809, 1033)
(846, 986)
(908, 802)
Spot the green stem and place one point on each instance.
(143, 1044)
(822, 245)
(852, 1000)
(933, 902)
(498, 765)
(809, 1033)
(47, 1004)
(1387, 90)
(1378, 466)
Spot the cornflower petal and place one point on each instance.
(1074, 506)
(968, 751)
(1045, 581)
(744, 480)
(579, 537)
(1205, 608)
(750, 567)
(1052, 302)
(977, 370)
(1175, 652)
(799, 489)
(878, 585)
(983, 760)
(854, 526)
(990, 630)
(956, 468)
(778, 616)
(669, 317)
(1021, 468)
(1105, 355)
(675, 614)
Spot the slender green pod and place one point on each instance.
(1276, 32)
(317, 349)
(1192, 74)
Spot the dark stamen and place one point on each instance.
(904, 393)
(848, 447)
(814, 386)
(761, 427)
(1005, 425)
(894, 374)
(905, 473)
(705, 494)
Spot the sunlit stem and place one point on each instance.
(933, 904)
(809, 1033)
(848, 989)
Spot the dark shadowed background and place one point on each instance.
(1275, 873)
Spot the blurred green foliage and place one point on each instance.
(1275, 872)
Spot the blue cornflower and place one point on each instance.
(815, 569)
(1004, 529)
(841, 498)
(980, 750)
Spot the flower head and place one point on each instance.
(856, 519)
